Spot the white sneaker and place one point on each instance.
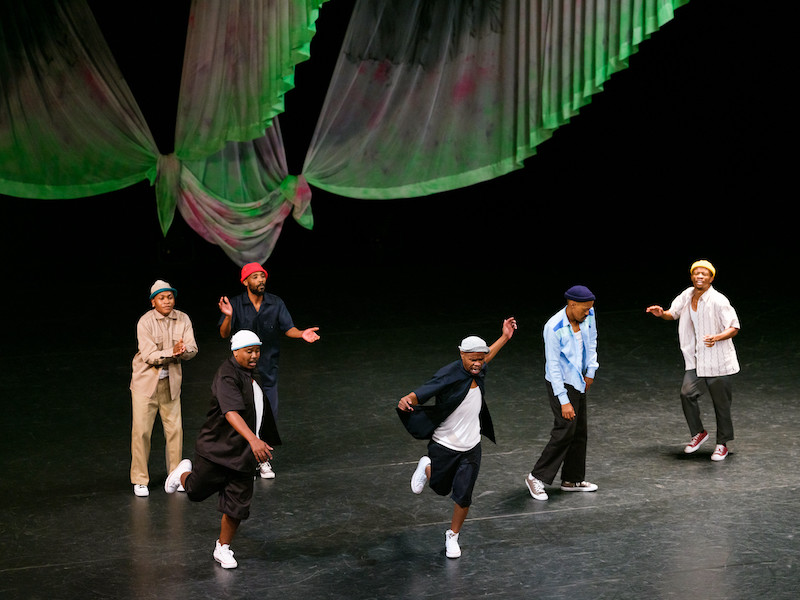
(173, 481)
(535, 487)
(265, 470)
(420, 478)
(224, 556)
(451, 547)
(141, 490)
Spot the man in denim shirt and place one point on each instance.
(570, 347)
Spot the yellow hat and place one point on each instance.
(703, 263)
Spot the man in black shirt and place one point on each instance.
(265, 315)
(238, 435)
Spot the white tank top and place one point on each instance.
(461, 431)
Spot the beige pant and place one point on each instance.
(144, 416)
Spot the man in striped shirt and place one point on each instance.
(707, 324)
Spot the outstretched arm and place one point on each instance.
(310, 335)
(659, 312)
(509, 327)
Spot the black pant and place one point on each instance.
(719, 388)
(567, 443)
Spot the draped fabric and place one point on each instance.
(70, 127)
(432, 95)
(234, 186)
(427, 95)
(240, 197)
(239, 63)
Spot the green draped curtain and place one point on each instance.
(427, 95)
(70, 127)
(234, 188)
(432, 95)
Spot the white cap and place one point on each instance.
(473, 344)
(244, 339)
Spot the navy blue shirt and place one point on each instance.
(270, 324)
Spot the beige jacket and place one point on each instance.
(156, 336)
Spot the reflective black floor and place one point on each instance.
(340, 521)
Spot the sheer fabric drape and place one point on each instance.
(427, 95)
(234, 186)
(70, 127)
(432, 95)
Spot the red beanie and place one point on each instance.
(251, 268)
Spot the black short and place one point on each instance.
(234, 487)
(454, 471)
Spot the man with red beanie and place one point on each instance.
(267, 316)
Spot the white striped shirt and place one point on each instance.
(714, 315)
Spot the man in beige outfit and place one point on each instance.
(165, 339)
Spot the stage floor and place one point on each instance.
(340, 521)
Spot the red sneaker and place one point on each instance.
(720, 452)
(696, 442)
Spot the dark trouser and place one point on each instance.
(454, 471)
(567, 443)
(271, 396)
(721, 395)
(235, 488)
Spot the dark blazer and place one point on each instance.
(449, 386)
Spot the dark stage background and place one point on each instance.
(681, 157)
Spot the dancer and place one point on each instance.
(454, 426)
(570, 348)
(239, 433)
(165, 340)
(707, 324)
(267, 316)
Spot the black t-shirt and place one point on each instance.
(218, 441)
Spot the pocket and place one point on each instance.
(158, 340)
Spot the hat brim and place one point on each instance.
(166, 289)
(245, 346)
(483, 349)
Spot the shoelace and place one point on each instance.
(697, 438)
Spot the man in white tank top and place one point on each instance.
(454, 426)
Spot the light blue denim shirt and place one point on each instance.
(565, 363)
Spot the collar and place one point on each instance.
(248, 372)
